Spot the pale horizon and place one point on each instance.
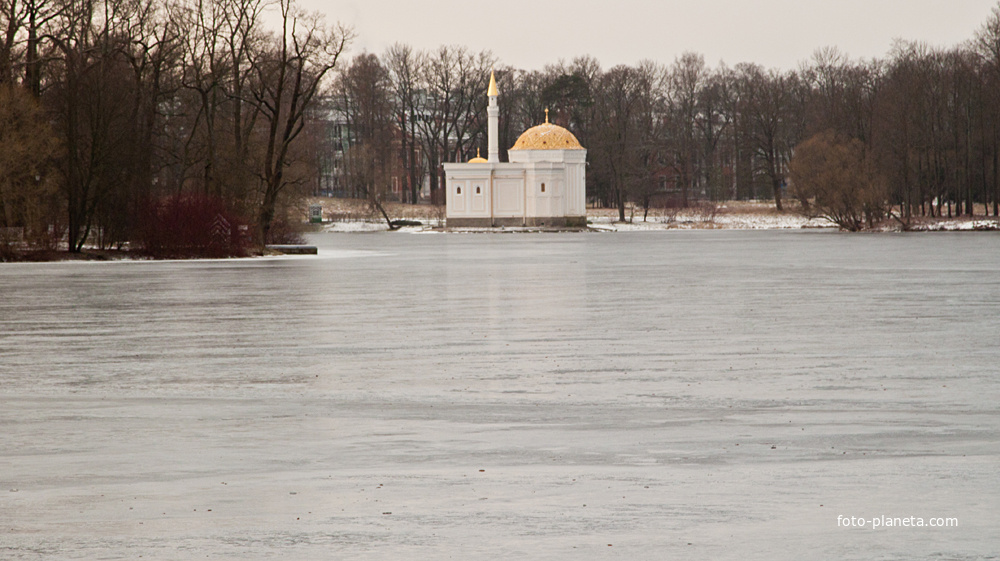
(773, 33)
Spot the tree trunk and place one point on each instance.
(32, 62)
(996, 175)
(414, 182)
(381, 209)
(620, 201)
(266, 218)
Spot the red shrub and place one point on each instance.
(192, 226)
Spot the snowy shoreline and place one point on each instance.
(603, 223)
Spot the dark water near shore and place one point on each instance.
(709, 388)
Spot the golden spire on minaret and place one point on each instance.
(492, 92)
(546, 114)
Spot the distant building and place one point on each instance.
(543, 184)
(330, 137)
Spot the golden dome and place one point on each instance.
(478, 159)
(547, 137)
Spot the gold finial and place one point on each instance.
(492, 92)
(478, 159)
(546, 115)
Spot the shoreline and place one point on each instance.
(354, 215)
(598, 221)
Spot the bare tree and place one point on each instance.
(767, 102)
(987, 46)
(22, 25)
(712, 120)
(12, 17)
(288, 70)
(203, 74)
(364, 92)
(242, 34)
(687, 78)
(403, 65)
(92, 100)
(154, 54)
(623, 130)
(470, 116)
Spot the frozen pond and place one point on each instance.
(658, 395)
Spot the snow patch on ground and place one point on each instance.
(354, 226)
(679, 221)
(724, 221)
(960, 225)
(610, 224)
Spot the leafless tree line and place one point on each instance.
(408, 112)
(129, 100)
(105, 104)
(922, 125)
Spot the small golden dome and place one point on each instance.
(547, 137)
(478, 159)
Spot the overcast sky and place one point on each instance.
(775, 33)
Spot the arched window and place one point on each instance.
(478, 190)
(458, 190)
(543, 187)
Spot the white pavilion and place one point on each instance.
(543, 184)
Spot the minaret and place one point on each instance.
(493, 112)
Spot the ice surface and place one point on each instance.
(677, 395)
